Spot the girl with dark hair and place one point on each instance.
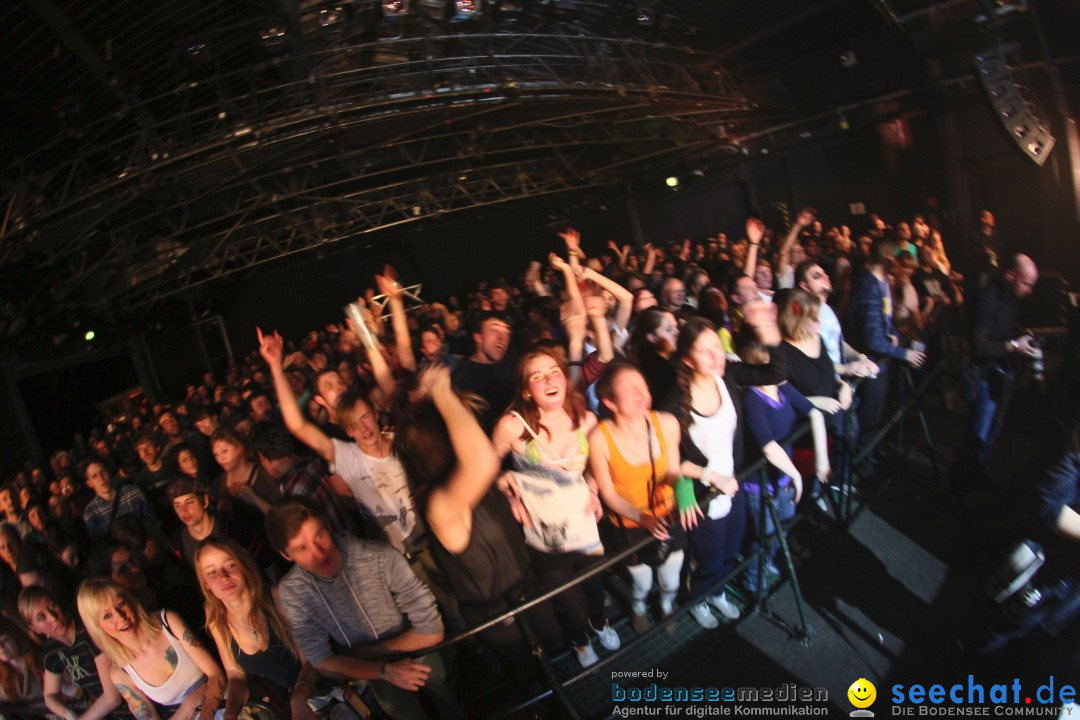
(712, 447)
(546, 435)
(10, 546)
(187, 462)
(478, 542)
(242, 478)
(651, 346)
(635, 460)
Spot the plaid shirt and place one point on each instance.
(308, 478)
(97, 514)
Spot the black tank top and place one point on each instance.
(274, 664)
(494, 565)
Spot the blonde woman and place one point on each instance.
(810, 369)
(156, 660)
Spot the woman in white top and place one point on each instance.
(156, 660)
(712, 448)
(546, 434)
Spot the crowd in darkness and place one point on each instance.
(303, 531)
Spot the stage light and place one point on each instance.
(332, 19)
(89, 335)
(273, 36)
(844, 124)
(672, 182)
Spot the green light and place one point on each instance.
(89, 335)
(672, 182)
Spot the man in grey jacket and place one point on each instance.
(355, 606)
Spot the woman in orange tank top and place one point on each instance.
(635, 459)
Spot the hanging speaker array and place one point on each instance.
(1016, 108)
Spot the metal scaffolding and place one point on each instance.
(245, 168)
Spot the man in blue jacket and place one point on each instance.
(871, 331)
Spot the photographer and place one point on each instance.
(999, 352)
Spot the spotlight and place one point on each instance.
(89, 335)
(332, 19)
(672, 182)
(273, 36)
(844, 124)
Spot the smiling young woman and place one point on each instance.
(546, 434)
(156, 659)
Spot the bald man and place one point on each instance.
(999, 351)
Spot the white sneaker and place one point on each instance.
(704, 616)
(639, 620)
(586, 656)
(666, 608)
(608, 637)
(725, 606)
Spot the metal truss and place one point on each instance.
(248, 169)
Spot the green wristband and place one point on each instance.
(684, 494)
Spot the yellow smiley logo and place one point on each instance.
(862, 693)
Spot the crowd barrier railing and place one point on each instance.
(844, 512)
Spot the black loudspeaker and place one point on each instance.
(1016, 109)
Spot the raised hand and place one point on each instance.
(557, 262)
(270, 347)
(761, 315)
(805, 217)
(434, 378)
(572, 238)
(755, 230)
(388, 283)
(296, 358)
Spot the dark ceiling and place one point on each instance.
(155, 148)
